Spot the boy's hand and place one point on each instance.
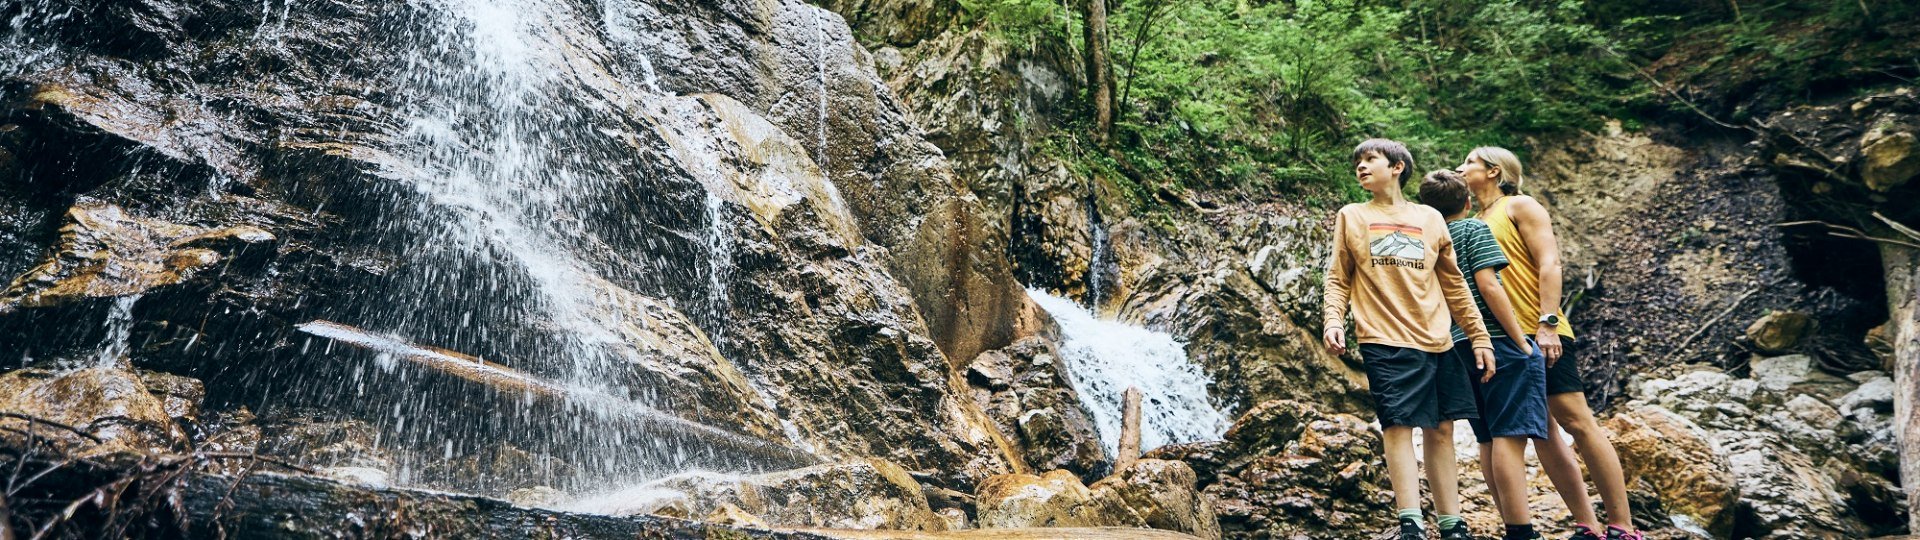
(1525, 348)
(1484, 359)
(1336, 341)
(1549, 341)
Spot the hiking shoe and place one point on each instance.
(1459, 532)
(1616, 533)
(1410, 530)
(1583, 532)
(1530, 535)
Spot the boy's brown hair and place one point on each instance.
(1445, 191)
(1395, 152)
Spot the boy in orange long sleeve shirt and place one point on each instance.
(1393, 266)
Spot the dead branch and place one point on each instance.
(1670, 91)
(46, 422)
(1709, 324)
(1898, 226)
(1843, 231)
(257, 458)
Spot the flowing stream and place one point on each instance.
(1105, 357)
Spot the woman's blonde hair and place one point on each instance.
(1512, 176)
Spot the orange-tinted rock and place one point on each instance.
(105, 251)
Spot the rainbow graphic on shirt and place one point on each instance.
(1393, 244)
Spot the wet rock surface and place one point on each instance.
(1055, 499)
(1289, 469)
(87, 411)
(158, 496)
(1026, 390)
(1166, 496)
(865, 494)
(287, 185)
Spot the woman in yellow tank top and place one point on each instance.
(1524, 230)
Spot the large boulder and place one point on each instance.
(1889, 161)
(860, 494)
(1026, 390)
(1289, 469)
(106, 252)
(1678, 459)
(112, 410)
(1165, 494)
(1055, 499)
(1779, 331)
(1797, 466)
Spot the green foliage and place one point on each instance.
(1024, 20)
(1271, 95)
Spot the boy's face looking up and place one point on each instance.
(1375, 172)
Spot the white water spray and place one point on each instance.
(114, 349)
(1106, 357)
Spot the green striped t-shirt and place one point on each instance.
(1475, 250)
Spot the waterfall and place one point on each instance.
(114, 349)
(719, 246)
(1106, 357)
(503, 171)
(1098, 262)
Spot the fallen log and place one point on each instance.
(508, 380)
(1129, 429)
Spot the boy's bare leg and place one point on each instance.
(1402, 472)
(1486, 471)
(1443, 474)
(1570, 410)
(1507, 478)
(1564, 470)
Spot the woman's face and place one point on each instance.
(1476, 173)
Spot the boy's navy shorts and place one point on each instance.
(1514, 402)
(1404, 385)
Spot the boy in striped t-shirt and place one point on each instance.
(1512, 395)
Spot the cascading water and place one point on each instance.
(1100, 261)
(114, 349)
(522, 223)
(503, 187)
(1106, 357)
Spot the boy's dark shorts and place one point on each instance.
(1514, 402)
(1453, 386)
(1403, 384)
(1564, 375)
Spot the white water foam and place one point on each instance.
(1106, 357)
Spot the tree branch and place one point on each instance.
(46, 422)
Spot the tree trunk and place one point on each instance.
(1099, 74)
(1903, 299)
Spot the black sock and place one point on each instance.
(1520, 532)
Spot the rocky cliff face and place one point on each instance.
(717, 211)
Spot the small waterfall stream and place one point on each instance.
(1106, 357)
(114, 349)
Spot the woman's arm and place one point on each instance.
(1488, 280)
(1536, 229)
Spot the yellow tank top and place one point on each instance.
(1521, 278)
